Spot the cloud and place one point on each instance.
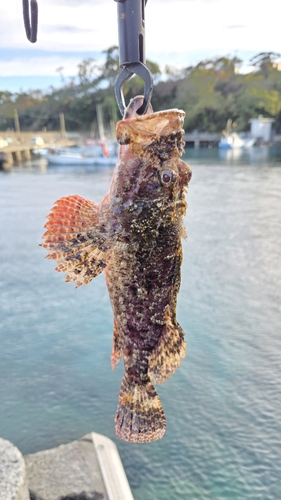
(77, 3)
(235, 26)
(176, 33)
(39, 66)
(110, 2)
(67, 29)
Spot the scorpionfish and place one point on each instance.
(134, 236)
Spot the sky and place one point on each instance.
(178, 32)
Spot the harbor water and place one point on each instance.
(223, 406)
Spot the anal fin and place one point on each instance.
(167, 354)
(117, 348)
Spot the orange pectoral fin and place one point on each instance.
(75, 239)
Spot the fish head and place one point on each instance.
(150, 181)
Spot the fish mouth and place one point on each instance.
(144, 129)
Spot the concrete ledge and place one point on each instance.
(114, 477)
(13, 484)
(87, 469)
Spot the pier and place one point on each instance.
(16, 154)
(197, 139)
(22, 144)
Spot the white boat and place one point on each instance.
(95, 153)
(79, 159)
(232, 140)
(249, 143)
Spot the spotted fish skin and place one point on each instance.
(134, 235)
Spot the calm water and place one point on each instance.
(223, 405)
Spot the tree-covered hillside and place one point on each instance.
(209, 93)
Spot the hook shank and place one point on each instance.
(131, 35)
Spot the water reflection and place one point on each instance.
(270, 155)
(238, 156)
(230, 154)
(251, 155)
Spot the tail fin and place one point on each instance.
(139, 416)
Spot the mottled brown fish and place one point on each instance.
(134, 235)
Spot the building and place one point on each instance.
(261, 128)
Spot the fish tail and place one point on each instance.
(139, 417)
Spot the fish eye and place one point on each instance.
(167, 177)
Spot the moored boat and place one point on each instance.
(233, 140)
(93, 153)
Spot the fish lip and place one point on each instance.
(144, 129)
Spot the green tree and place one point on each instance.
(210, 93)
(265, 61)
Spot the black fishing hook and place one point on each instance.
(131, 35)
(30, 27)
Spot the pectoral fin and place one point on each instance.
(76, 238)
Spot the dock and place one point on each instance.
(197, 139)
(16, 154)
(22, 149)
(22, 145)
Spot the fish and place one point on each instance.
(134, 236)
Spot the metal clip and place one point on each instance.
(131, 34)
(30, 28)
